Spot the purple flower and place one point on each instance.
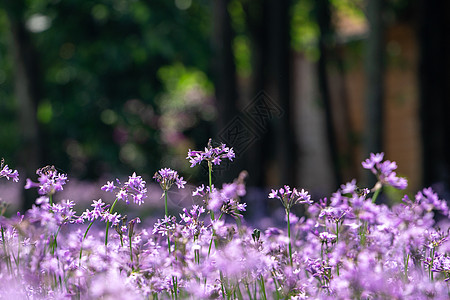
(326, 237)
(167, 177)
(50, 181)
(98, 211)
(216, 200)
(5, 171)
(134, 188)
(289, 198)
(293, 219)
(384, 170)
(273, 231)
(202, 190)
(113, 219)
(211, 155)
(349, 187)
(227, 199)
(164, 226)
(108, 187)
(334, 214)
(194, 226)
(372, 161)
(98, 204)
(429, 200)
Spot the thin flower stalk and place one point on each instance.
(288, 198)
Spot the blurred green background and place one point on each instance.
(115, 86)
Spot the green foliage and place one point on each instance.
(8, 136)
(185, 104)
(241, 42)
(99, 62)
(304, 29)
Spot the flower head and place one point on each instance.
(5, 171)
(50, 181)
(290, 197)
(384, 170)
(167, 177)
(211, 155)
(134, 189)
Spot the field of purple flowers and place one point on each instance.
(345, 247)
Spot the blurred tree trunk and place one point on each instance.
(279, 81)
(27, 92)
(434, 78)
(259, 152)
(272, 158)
(323, 17)
(224, 64)
(225, 84)
(373, 135)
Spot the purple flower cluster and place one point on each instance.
(226, 200)
(100, 211)
(384, 170)
(133, 189)
(167, 177)
(5, 171)
(49, 182)
(211, 155)
(53, 216)
(290, 197)
(344, 247)
(202, 191)
(195, 226)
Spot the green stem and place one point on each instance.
(406, 262)
(276, 285)
(238, 292)
(263, 288)
(55, 243)
(363, 232)
(7, 258)
(337, 232)
(18, 253)
(289, 237)
(222, 286)
(166, 212)
(432, 262)
(249, 293)
(337, 240)
(210, 186)
(212, 238)
(175, 279)
(84, 237)
(376, 193)
(107, 223)
(210, 175)
(321, 251)
(196, 252)
(131, 252)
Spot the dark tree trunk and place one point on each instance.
(224, 64)
(27, 92)
(323, 17)
(373, 135)
(225, 85)
(279, 80)
(434, 78)
(268, 23)
(259, 151)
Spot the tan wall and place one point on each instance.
(402, 142)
